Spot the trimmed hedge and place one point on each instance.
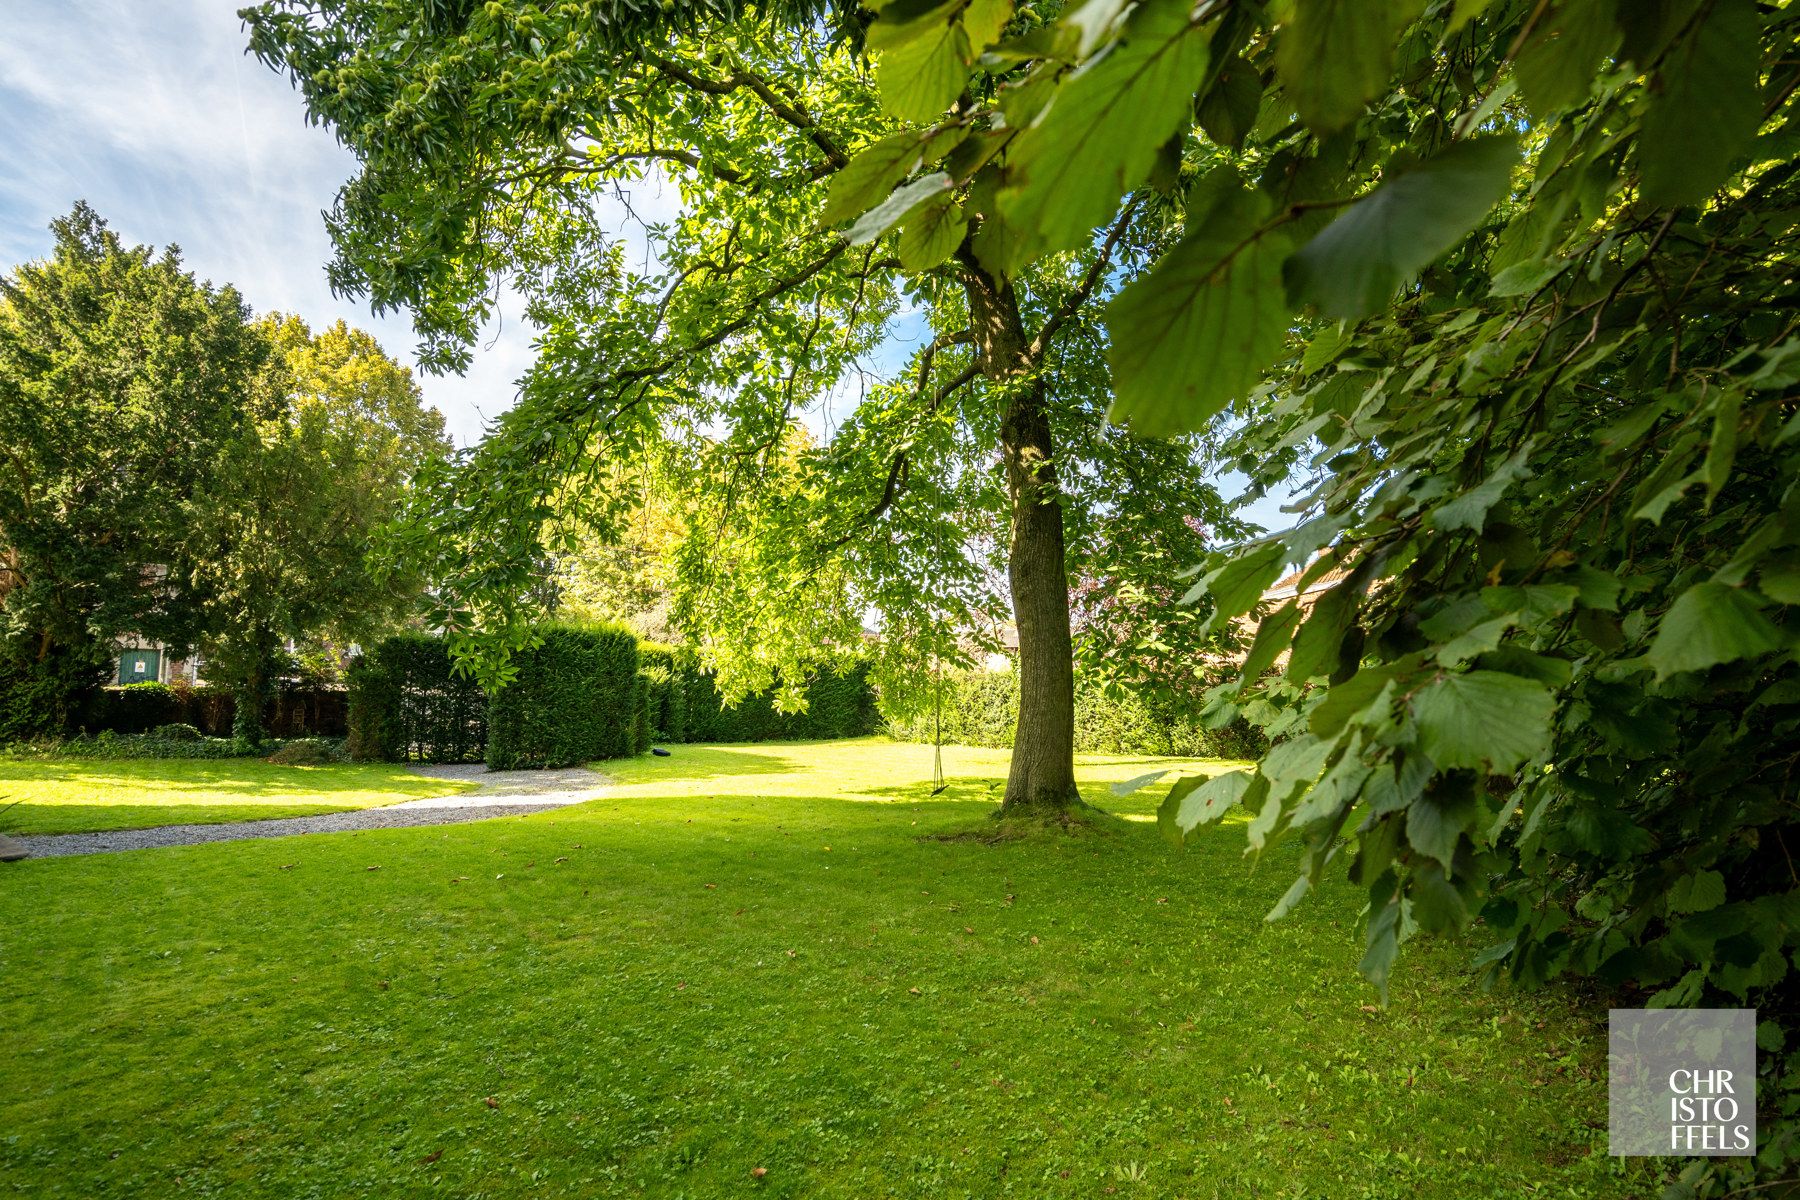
(291, 712)
(576, 697)
(666, 697)
(837, 706)
(407, 704)
(981, 708)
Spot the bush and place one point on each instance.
(141, 707)
(662, 667)
(110, 745)
(293, 711)
(837, 706)
(308, 752)
(575, 698)
(407, 704)
(176, 732)
(981, 708)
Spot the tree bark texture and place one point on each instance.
(1042, 776)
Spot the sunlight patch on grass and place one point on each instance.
(93, 795)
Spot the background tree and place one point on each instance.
(488, 137)
(280, 546)
(121, 380)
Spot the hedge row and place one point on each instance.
(585, 692)
(291, 712)
(981, 708)
(837, 706)
(577, 697)
(408, 704)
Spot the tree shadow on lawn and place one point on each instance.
(243, 777)
(32, 820)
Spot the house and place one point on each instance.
(143, 661)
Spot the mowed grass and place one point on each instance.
(777, 958)
(91, 795)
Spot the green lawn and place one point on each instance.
(90, 795)
(764, 957)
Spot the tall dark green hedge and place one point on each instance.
(292, 711)
(407, 704)
(576, 698)
(837, 706)
(666, 700)
(981, 708)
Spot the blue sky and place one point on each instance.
(151, 111)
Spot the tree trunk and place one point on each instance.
(1042, 777)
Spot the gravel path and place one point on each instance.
(500, 794)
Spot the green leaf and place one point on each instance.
(1483, 719)
(1228, 110)
(1722, 450)
(1469, 510)
(1334, 56)
(897, 207)
(921, 64)
(1437, 905)
(1479, 640)
(1354, 267)
(932, 234)
(1197, 330)
(1705, 109)
(1698, 892)
(1382, 946)
(1319, 640)
(1296, 892)
(1239, 582)
(1436, 823)
(1142, 781)
(1273, 635)
(1558, 66)
(871, 175)
(983, 20)
(1098, 138)
(1708, 624)
(1199, 800)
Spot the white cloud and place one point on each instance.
(153, 113)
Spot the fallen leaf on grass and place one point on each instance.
(680, 986)
(1034, 941)
(431, 1158)
(490, 1102)
(562, 858)
(968, 929)
(758, 1172)
(790, 954)
(915, 991)
(372, 868)
(711, 886)
(287, 866)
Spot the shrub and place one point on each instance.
(981, 708)
(667, 700)
(177, 731)
(109, 745)
(407, 704)
(837, 706)
(140, 707)
(575, 698)
(308, 752)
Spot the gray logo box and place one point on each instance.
(1681, 1082)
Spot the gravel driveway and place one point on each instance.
(499, 794)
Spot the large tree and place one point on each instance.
(509, 142)
(121, 381)
(281, 545)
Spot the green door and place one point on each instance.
(140, 666)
